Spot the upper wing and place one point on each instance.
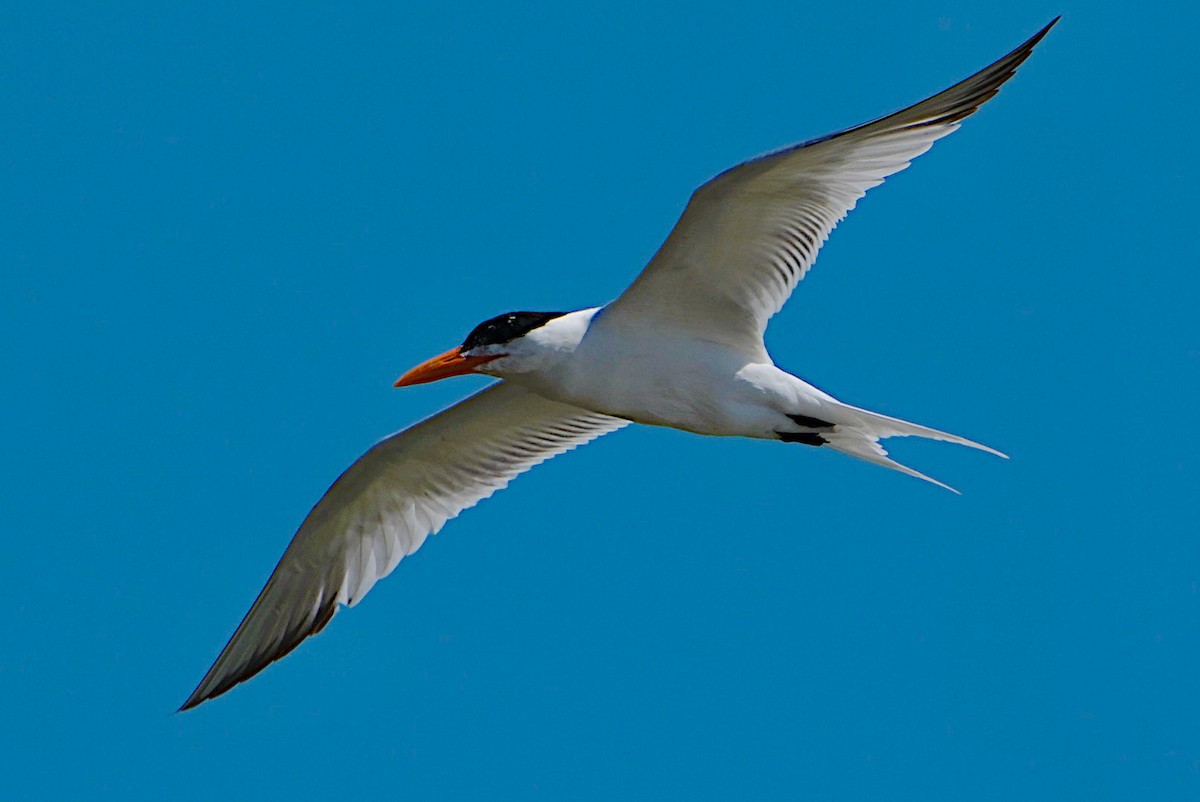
(749, 235)
(385, 505)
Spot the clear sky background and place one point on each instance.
(227, 230)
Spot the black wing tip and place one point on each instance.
(983, 85)
(1032, 41)
(257, 662)
(1017, 56)
(202, 694)
(996, 74)
(1007, 64)
(192, 701)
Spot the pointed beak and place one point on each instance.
(443, 366)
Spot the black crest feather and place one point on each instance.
(508, 327)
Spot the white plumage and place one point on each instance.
(681, 347)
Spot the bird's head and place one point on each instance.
(506, 343)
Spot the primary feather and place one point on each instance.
(385, 505)
(748, 236)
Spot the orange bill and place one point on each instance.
(443, 366)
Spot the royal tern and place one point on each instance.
(681, 347)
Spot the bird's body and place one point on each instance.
(653, 378)
(674, 377)
(682, 347)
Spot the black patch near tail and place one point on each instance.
(812, 423)
(808, 438)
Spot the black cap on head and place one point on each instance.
(505, 328)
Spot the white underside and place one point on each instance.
(669, 377)
(680, 383)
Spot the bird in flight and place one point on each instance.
(681, 347)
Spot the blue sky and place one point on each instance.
(229, 228)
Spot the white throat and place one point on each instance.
(544, 348)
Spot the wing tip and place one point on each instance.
(221, 679)
(192, 701)
(1045, 29)
(985, 84)
(1022, 51)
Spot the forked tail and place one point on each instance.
(857, 432)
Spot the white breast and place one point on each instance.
(662, 378)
